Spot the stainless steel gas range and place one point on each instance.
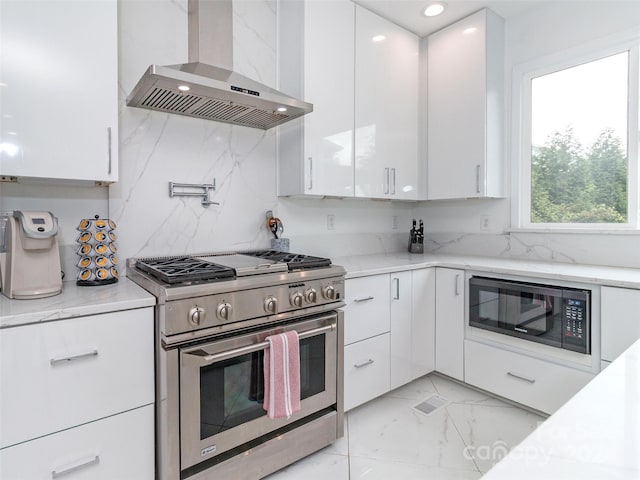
(213, 314)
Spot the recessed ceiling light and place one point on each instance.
(434, 9)
(470, 30)
(184, 88)
(282, 109)
(378, 38)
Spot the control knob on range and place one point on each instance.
(329, 292)
(311, 295)
(271, 304)
(196, 315)
(296, 299)
(224, 311)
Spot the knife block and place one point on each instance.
(416, 247)
(280, 244)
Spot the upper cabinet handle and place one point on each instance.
(386, 181)
(393, 181)
(109, 149)
(310, 173)
(477, 178)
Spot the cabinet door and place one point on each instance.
(366, 370)
(57, 375)
(536, 383)
(423, 322)
(450, 322)
(401, 334)
(367, 311)
(386, 109)
(619, 319)
(59, 95)
(119, 447)
(328, 84)
(464, 112)
(315, 152)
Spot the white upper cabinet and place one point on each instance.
(59, 90)
(316, 152)
(465, 70)
(386, 109)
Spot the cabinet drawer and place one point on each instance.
(366, 370)
(57, 375)
(367, 312)
(539, 384)
(119, 447)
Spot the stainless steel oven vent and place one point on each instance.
(207, 87)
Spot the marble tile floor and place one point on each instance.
(387, 439)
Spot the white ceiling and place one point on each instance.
(408, 13)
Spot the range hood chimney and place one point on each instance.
(207, 87)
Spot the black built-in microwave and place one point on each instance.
(548, 314)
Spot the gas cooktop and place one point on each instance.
(205, 268)
(294, 261)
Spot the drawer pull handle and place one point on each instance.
(81, 464)
(522, 377)
(363, 299)
(364, 364)
(56, 360)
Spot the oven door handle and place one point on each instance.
(203, 361)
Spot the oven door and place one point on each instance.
(221, 387)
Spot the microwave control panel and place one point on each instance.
(575, 313)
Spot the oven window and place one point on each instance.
(232, 391)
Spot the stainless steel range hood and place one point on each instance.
(207, 87)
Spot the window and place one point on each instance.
(579, 142)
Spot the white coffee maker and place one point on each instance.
(29, 255)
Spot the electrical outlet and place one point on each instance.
(394, 222)
(485, 222)
(331, 222)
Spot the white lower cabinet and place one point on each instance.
(450, 322)
(115, 448)
(366, 370)
(389, 332)
(619, 319)
(56, 375)
(536, 383)
(367, 309)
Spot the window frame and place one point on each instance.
(521, 134)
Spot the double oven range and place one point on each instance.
(212, 315)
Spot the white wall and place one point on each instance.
(454, 226)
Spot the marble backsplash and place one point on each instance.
(592, 249)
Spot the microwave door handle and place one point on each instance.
(203, 361)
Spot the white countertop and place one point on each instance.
(363, 265)
(595, 435)
(75, 301)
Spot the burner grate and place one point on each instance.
(184, 269)
(294, 261)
